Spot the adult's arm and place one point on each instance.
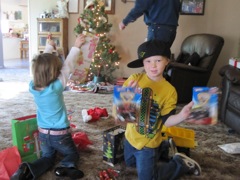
(141, 6)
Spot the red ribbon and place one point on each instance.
(235, 63)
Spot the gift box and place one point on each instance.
(113, 145)
(25, 137)
(235, 62)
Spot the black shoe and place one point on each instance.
(23, 173)
(193, 167)
(69, 172)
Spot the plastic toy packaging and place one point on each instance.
(126, 103)
(205, 108)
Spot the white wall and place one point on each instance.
(221, 17)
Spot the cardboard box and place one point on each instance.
(113, 145)
(235, 62)
(205, 108)
(25, 137)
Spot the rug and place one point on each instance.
(16, 101)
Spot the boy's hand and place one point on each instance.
(186, 110)
(133, 84)
(80, 40)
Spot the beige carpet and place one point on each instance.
(16, 101)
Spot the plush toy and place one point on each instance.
(92, 115)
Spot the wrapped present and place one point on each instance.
(235, 62)
(113, 145)
(25, 137)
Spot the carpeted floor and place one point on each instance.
(16, 101)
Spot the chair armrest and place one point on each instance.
(231, 73)
(186, 67)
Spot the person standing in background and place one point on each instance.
(161, 17)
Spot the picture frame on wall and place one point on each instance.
(109, 6)
(192, 7)
(73, 6)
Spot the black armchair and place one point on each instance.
(193, 66)
(229, 106)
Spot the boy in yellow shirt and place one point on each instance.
(142, 150)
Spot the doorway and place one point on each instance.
(13, 29)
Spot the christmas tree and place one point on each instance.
(105, 59)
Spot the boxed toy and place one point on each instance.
(137, 106)
(25, 137)
(205, 108)
(113, 145)
(235, 62)
(126, 103)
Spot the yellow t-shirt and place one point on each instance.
(166, 97)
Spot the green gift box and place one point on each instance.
(25, 137)
(113, 145)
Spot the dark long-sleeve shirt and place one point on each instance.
(165, 12)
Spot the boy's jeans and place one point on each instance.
(146, 161)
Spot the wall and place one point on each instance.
(221, 18)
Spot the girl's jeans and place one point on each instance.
(148, 167)
(50, 144)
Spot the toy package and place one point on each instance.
(137, 106)
(126, 103)
(205, 108)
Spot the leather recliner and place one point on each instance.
(229, 106)
(194, 64)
